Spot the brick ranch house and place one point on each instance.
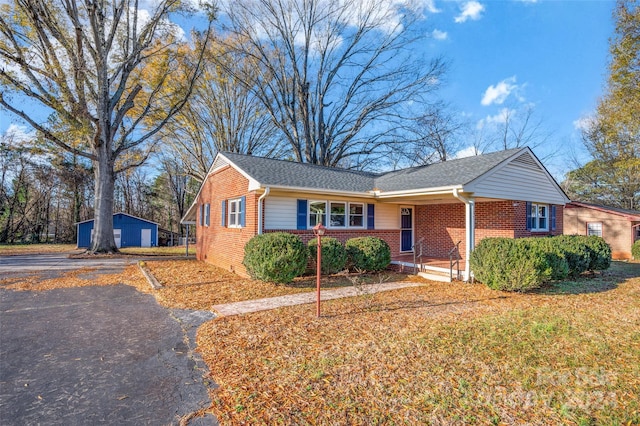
(620, 228)
(430, 208)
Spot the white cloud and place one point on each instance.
(492, 120)
(467, 152)
(19, 134)
(439, 35)
(500, 92)
(583, 123)
(470, 10)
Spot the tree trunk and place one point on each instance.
(103, 241)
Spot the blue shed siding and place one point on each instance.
(130, 228)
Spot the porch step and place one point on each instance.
(435, 276)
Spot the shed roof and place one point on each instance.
(122, 213)
(633, 215)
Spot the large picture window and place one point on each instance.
(317, 213)
(356, 215)
(539, 217)
(338, 214)
(235, 211)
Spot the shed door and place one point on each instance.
(145, 238)
(117, 235)
(406, 226)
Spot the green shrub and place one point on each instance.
(368, 254)
(550, 250)
(600, 253)
(635, 250)
(276, 257)
(575, 251)
(334, 255)
(507, 264)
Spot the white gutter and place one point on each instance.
(262, 197)
(470, 225)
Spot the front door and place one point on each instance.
(406, 228)
(145, 238)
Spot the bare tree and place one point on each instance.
(102, 70)
(437, 133)
(222, 115)
(339, 78)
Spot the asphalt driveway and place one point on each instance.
(98, 355)
(50, 265)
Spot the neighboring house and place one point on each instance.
(620, 228)
(128, 231)
(506, 194)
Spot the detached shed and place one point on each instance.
(620, 228)
(128, 231)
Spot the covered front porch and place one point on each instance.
(434, 268)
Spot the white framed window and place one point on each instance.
(317, 213)
(235, 212)
(539, 217)
(338, 216)
(594, 228)
(207, 214)
(356, 215)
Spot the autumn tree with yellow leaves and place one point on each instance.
(103, 74)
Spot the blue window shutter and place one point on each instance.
(528, 216)
(302, 214)
(553, 218)
(371, 216)
(243, 203)
(207, 214)
(201, 214)
(223, 213)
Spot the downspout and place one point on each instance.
(262, 197)
(470, 225)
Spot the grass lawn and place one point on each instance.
(190, 284)
(10, 249)
(437, 354)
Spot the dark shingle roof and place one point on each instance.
(448, 173)
(270, 172)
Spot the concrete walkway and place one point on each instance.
(256, 305)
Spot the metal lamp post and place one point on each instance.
(318, 231)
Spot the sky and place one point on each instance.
(550, 56)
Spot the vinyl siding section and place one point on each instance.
(387, 216)
(521, 179)
(280, 213)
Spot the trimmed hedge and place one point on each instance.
(334, 255)
(526, 263)
(275, 257)
(635, 250)
(600, 253)
(505, 264)
(368, 254)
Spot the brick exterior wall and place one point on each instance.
(616, 229)
(218, 245)
(443, 225)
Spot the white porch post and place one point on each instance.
(470, 216)
(470, 227)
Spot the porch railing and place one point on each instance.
(417, 255)
(454, 259)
